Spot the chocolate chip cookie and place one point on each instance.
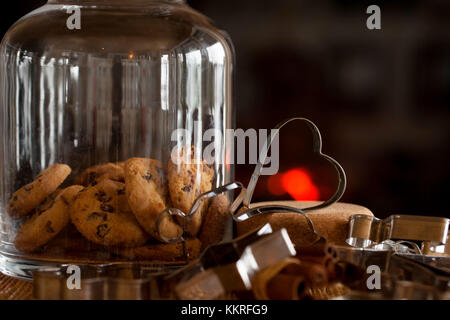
(47, 221)
(24, 200)
(164, 252)
(93, 175)
(215, 221)
(101, 214)
(188, 178)
(147, 194)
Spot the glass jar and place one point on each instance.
(85, 86)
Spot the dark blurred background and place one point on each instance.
(381, 98)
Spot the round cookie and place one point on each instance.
(31, 195)
(189, 178)
(101, 214)
(48, 220)
(92, 175)
(147, 194)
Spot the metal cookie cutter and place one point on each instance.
(219, 254)
(432, 232)
(245, 195)
(118, 281)
(317, 148)
(222, 279)
(247, 212)
(207, 195)
(404, 276)
(216, 255)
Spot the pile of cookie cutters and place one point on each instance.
(239, 259)
(401, 233)
(235, 263)
(411, 251)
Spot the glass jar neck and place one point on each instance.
(114, 2)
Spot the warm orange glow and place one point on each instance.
(275, 186)
(228, 159)
(131, 56)
(299, 185)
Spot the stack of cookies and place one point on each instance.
(116, 206)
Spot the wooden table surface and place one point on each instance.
(15, 289)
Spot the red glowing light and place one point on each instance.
(299, 185)
(275, 186)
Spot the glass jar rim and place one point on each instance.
(113, 2)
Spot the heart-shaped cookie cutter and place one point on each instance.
(244, 198)
(317, 149)
(247, 212)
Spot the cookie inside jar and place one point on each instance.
(108, 212)
(92, 106)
